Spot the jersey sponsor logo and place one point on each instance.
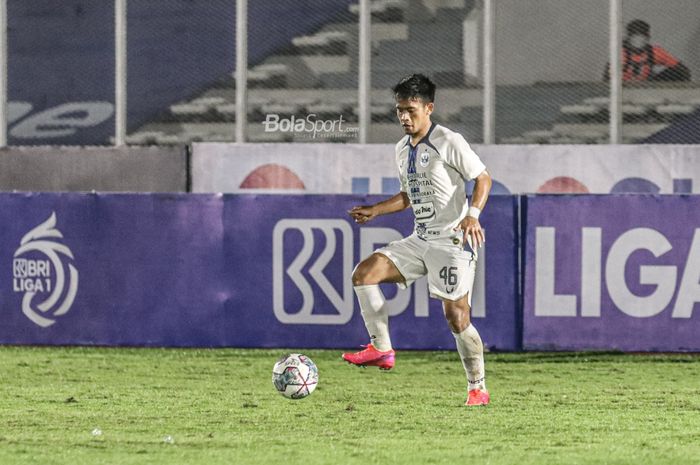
(424, 211)
(42, 267)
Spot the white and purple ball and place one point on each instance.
(295, 376)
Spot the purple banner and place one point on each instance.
(612, 272)
(293, 281)
(111, 269)
(212, 271)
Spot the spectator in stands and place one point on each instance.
(644, 61)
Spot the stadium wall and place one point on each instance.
(212, 270)
(611, 272)
(516, 169)
(106, 169)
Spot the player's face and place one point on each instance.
(414, 115)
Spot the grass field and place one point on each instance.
(168, 406)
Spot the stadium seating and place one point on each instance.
(646, 108)
(317, 74)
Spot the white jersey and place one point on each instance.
(433, 174)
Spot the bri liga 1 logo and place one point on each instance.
(43, 271)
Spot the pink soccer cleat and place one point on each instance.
(478, 397)
(371, 357)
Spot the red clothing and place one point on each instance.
(637, 65)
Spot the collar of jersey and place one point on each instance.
(425, 138)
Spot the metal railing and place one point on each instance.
(613, 106)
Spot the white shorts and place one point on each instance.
(450, 268)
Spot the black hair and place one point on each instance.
(638, 26)
(415, 86)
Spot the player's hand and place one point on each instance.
(362, 214)
(471, 228)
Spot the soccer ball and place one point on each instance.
(295, 376)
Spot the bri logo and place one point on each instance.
(342, 301)
(300, 278)
(42, 267)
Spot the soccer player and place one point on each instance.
(434, 163)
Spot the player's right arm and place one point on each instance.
(364, 213)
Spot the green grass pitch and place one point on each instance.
(195, 406)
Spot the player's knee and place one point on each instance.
(459, 323)
(368, 271)
(361, 274)
(457, 316)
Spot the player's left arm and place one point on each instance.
(470, 224)
(460, 156)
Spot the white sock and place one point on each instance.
(471, 351)
(374, 312)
